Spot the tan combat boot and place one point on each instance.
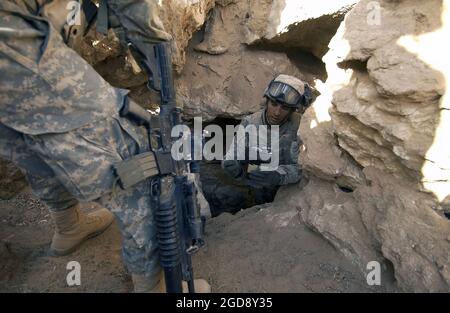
(142, 284)
(145, 284)
(74, 226)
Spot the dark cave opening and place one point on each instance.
(224, 194)
(345, 189)
(447, 215)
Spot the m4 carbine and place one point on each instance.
(174, 193)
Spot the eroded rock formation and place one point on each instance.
(300, 24)
(222, 76)
(378, 129)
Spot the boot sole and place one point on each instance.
(58, 253)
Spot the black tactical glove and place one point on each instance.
(260, 179)
(233, 168)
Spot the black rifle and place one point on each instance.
(174, 193)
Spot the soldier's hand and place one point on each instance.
(260, 179)
(233, 168)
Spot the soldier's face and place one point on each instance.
(277, 113)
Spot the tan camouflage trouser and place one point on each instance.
(67, 167)
(59, 123)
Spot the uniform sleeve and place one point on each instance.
(139, 21)
(232, 152)
(291, 173)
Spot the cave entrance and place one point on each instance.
(224, 194)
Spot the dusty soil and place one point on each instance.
(25, 263)
(262, 249)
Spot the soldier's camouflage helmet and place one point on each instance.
(289, 91)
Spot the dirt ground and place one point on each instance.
(262, 249)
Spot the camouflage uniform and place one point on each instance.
(59, 121)
(226, 194)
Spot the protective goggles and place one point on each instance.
(284, 93)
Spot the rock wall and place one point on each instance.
(219, 74)
(378, 130)
(222, 76)
(301, 24)
(245, 44)
(181, 19)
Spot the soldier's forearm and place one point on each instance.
(290, 174)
